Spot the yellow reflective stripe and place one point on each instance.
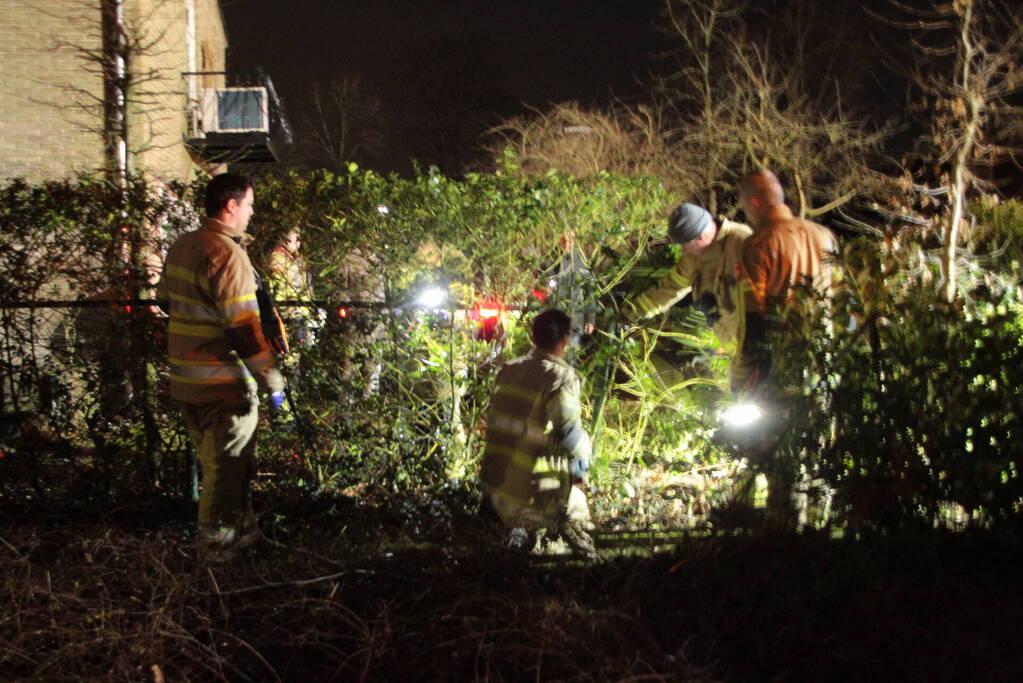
(676, 278)
(187, 362)
(512, 426)
(196, 380)
(196, 330)
(181, 298)
(507, 422)
(239, 307)
(516, 391)
(185, 275)
(544, 467)
(183, 307)
(245, 302)
(209, 372)
(645, 305)
(237, 299)
(519, 458)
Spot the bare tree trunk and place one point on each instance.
(960, 171)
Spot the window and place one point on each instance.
(235, 109)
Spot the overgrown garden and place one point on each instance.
(902, 401)
(905, 403)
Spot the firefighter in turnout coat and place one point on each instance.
(537, 451)
(219, 358)
(710, 268)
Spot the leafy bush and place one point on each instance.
(390, 394)
(909, 409)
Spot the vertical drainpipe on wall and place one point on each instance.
(122, 96)
(192, 481)
(115, 73)
(193, 67)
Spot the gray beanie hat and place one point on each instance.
(687, 222)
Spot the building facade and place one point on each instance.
(123, 86)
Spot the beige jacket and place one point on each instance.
(216, 347)
(712, 276)
(534, 426)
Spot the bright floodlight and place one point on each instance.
(432, 297)
(383, 210)
(741, 414)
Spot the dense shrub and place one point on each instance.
(909, 408)
(906, 407)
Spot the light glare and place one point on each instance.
(432, 297)
(741, 414)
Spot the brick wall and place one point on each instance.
(50, 121)
(44, 131)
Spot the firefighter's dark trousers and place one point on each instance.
(223, 438)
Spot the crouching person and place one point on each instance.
(537, 451)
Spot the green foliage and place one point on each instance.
(905, 406)
(998, 232)
(909, 409)
(391, 394)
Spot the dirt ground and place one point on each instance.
(345, 590)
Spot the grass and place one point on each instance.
(348, 589)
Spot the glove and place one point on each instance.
(276, 401)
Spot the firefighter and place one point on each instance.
(537, 451)
(784, 254)
(289, 280)
(218, 358)
(709, 269)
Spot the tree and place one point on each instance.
(119, 52)
(740, 89)
(967, 56)
(342, 121)
(627, 140)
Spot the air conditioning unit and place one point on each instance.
(235, 110)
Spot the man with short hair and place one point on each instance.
(537, 451)
(219, 357)
(784, 255)
(709, 268)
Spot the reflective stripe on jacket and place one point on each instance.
(534, 426)
(712, 276)
(215, 345)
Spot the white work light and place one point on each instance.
(741, 414)
(432, 297)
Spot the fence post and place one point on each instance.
(193, 474)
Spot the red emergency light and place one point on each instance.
(488, 309)
(488, 314)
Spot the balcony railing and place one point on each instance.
(241, 121)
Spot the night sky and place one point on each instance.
(539, 51)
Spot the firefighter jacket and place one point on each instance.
(216, 347)
(289, 278)
(534, 426)
(786, 254)
(712, 277)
